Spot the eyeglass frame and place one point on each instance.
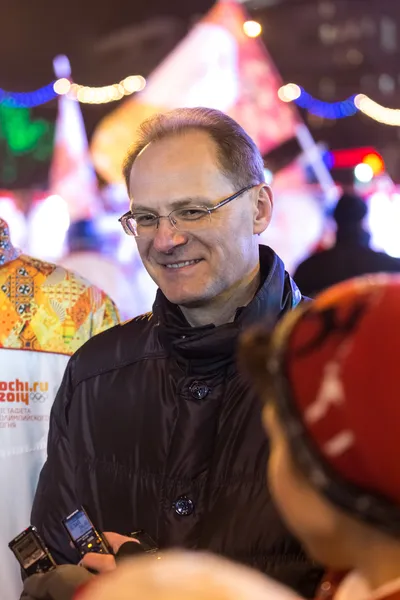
(210, 210)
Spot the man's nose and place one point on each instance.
(167, 237)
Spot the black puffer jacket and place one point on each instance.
(153, 428)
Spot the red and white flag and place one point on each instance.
(216, 65)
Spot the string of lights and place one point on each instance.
(81, 93)
(28, 99)
(388, 116)
(63, 86)
(339, 110)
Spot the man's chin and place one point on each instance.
(186, 299)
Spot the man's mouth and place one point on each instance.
(184, 263)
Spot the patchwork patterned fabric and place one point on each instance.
(46, 308)
(7, 250)
(46, 314)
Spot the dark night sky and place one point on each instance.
(33, 31)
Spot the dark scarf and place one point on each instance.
(216, 345)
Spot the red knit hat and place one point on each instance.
(336, 371)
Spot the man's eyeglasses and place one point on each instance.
(190, 218)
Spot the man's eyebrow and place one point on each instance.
(193, 201)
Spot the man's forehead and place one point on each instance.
(193, 151)
(178, 176)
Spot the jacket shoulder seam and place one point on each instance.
(118, 365)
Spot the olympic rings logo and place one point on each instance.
(37, 397)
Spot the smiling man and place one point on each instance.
(153, 427)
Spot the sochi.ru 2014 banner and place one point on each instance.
(28, 385)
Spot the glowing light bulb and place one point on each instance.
(133, 83)
(129, 84)
(375, 162)
(101, 96)
(113, 93)
(120, 91)
(142, 82)
(73, 92)
(81, 95)
(90, 94)
(363, 173)
(62, 86)
(289, 92)
(252, 28)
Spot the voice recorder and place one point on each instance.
(146, 542)
(31, 552)
(84, 535)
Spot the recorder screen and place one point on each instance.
(29, 551)
(78, 525)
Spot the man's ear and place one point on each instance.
(263, 213)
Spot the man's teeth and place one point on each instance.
(179, 265)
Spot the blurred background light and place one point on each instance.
(289, 92)
(383, 221)
(48, 225)
(363, 173)
(382, 114)
(252, 28)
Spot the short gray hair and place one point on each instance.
(238, 156)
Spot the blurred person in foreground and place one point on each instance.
(153, 427)
(351, 255)
(329, 379)
(175, 575)
(184, 576)
(46, 314)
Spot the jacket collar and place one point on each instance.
(7, 250)
(216, 345)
